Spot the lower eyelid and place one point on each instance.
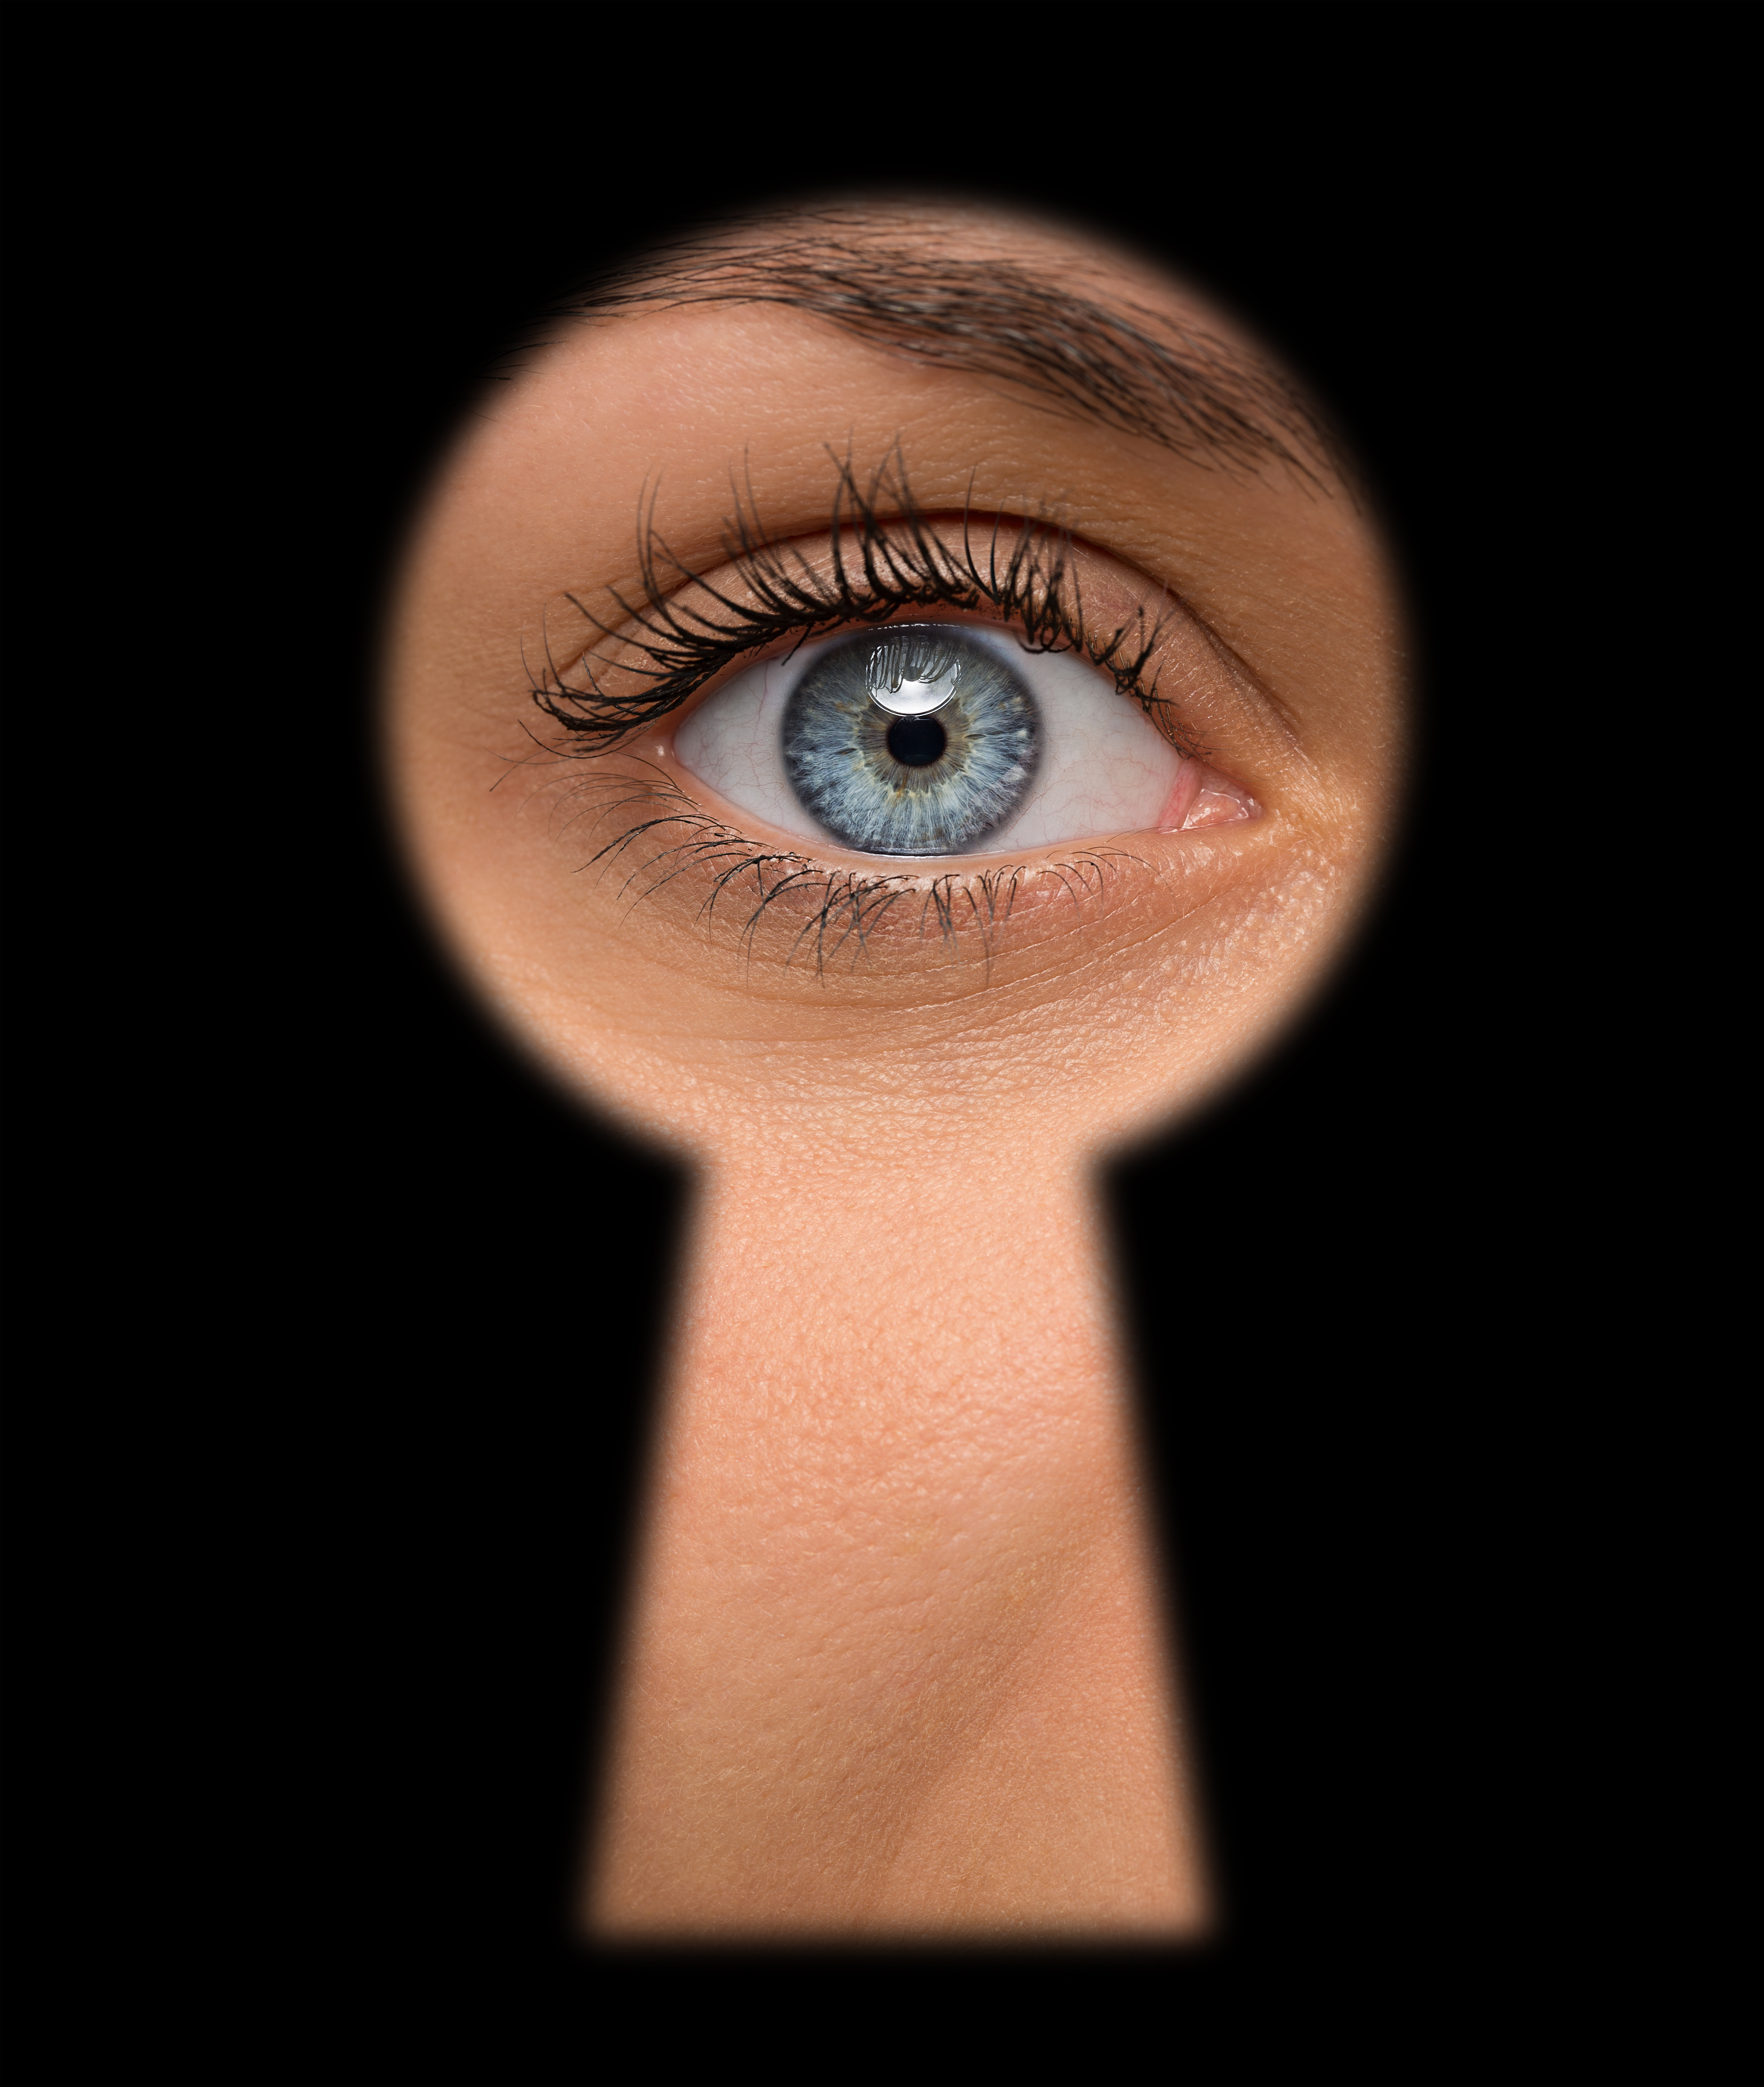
(664, 855)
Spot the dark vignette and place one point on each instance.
(347, 1372)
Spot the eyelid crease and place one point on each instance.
(1234, 663)
(903, 563)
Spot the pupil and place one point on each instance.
(916, 742)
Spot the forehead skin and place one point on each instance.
(1082, 1027)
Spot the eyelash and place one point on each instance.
(904, 564)
(848, 904)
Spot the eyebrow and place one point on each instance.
(1120, 365)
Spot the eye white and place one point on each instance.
(1104, 767)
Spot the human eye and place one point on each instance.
(943, 739)
(911, 696)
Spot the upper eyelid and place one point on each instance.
(887, 556)
(785, 644)
(1180, 611)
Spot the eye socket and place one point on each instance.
(929, 739)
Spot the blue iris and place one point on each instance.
(929, 784)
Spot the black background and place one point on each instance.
(333, 1326)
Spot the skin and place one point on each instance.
(900, 1663)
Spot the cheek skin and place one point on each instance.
(893, 1594)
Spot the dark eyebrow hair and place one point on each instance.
(1019, 321)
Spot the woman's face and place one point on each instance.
(900, 685)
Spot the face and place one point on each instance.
(888, 669)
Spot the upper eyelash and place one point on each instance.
(902, 561)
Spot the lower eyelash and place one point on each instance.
(844, 906)
(899, 564)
